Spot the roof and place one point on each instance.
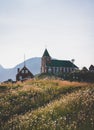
(91, 67)
(61, 63)
(24, 68)
(46, 53)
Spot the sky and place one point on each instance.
(64, 27)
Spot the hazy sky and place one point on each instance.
(65, 26)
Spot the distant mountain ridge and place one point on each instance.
(33, 64)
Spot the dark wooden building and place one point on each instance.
(91, 68)
(23, 74)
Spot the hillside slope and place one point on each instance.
(47, 105)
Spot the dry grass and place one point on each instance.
(47, 105)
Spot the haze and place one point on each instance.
(65, 27)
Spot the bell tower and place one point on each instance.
(44, 60)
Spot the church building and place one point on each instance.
(49, 65)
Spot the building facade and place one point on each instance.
(23, 74)
(49, 65)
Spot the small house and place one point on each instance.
(91, 68)
(23, 74)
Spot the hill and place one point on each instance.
(47, 104)
(33, 64)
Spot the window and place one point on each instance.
(20, 77)
(26, 71)
(61, 69)
(70, 69)
(67, 70)
(57, 69)
(49, 69)
(53, 69)
(23, 71)
(64, 70)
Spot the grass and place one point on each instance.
(47, 104)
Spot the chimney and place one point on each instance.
(18, 70)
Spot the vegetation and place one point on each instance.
(47, 104)
(80, 76)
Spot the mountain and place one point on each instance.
(33, 64)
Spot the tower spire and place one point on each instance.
(46, 53)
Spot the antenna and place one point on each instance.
(24, 60)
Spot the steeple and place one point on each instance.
(46, 58)
(46, 53)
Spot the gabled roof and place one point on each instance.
(46, 53)
(91, 67)
(84, 69)
(61, 63)
(25, 68)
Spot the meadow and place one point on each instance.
(47, 104)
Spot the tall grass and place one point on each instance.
(47, 105)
